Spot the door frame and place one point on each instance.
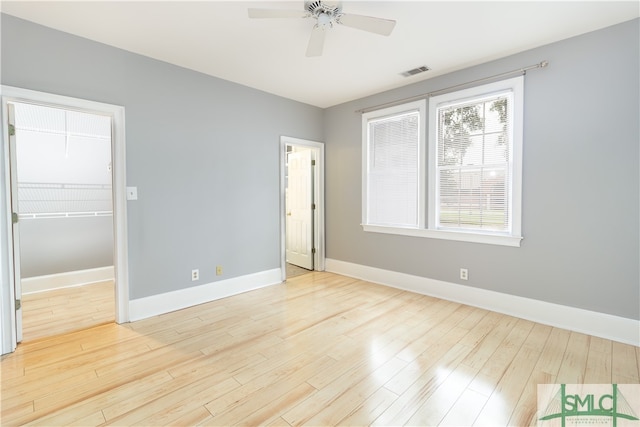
(120, 247)
(318, 196)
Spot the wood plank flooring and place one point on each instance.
(294, 270)
(66, 310)
(321, 349)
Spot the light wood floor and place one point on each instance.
(321, 349)
(294, 271)
(65, 310)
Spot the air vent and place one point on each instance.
(416, 71)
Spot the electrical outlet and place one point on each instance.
(464, 274)
(219, 270)
(195, 275)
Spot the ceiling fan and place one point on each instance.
(327, 14)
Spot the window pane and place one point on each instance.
(473, 165)
(473, 199)
(393, 170)
(495, 150)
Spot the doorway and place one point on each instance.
(11, 307)
(65, 211)
(302, 206)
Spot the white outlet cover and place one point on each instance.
(132, 193)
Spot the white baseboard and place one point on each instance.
(575, 319)
(67, 279)
(155, 305)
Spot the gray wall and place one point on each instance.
(580, 183)
(202, 151)
(60, 245)
(204, 155)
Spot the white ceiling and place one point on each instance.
(217, 38)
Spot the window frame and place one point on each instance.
(516, 87)
(428, 194)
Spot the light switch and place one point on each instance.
(132, 193)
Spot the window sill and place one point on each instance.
(460, 236)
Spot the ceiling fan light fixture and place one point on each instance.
(327, 15)
(324, 20)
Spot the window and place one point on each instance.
(394, 184)
(472, 167)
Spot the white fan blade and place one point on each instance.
(276, 13)
(368, 23)
(316, 42)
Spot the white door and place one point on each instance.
(299, 200)
(16, 225)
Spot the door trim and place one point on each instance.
(118, 155)
(318, 195)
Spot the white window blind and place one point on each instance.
(393, 168)
(473, 167)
